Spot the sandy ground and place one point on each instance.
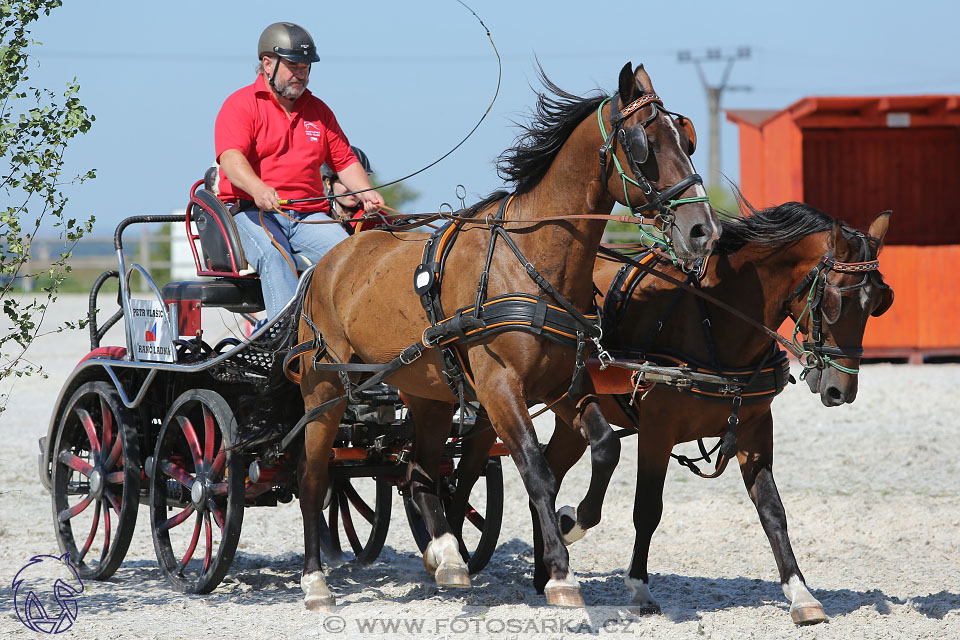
(872, 493)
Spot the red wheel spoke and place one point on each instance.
(93, 534)
(191, 435)
(176, 520)
(87, 421)
(475, 518)
(66, 514)
(114, 453)
(219, 461)
(348, 527)
(116, 477)
(208, 532)
(106, 529)
(107, 418)
(215, 510)
(176, 472)
(188, 554)
(112, 499)
(208, 434)
(362, 508)
(220, 489)
(76, 463)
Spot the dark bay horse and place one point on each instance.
(760, 261)
(362, 301)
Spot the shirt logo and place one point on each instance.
(312, 129)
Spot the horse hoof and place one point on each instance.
(564, 596)
(323, 604)
(452, 576)
(808, 614)
(570, 530)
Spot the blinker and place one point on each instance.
(635, 144)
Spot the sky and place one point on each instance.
(408, 80)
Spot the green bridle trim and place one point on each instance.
(809, 361)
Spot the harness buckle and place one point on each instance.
(407, 358)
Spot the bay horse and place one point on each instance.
(764, 265)
(364, 304)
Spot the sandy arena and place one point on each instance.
(871, 490)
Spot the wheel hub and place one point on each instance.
(198, 493)
(96, 483)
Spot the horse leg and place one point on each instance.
(314, 484)
(474, 455)
(756, 467)
(652, 459)
(588, 421)
(508, 412)
(566, 446)
(432, 421)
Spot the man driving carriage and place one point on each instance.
(272, 137)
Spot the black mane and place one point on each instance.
(772, 227)
(557, 114)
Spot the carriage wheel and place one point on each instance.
(95, 480)
(196, 492)
(359, 514)
(481, 528)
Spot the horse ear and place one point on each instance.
(878, 228)
(628, 85)
(643, 79)
(837, 241)
(831, 303)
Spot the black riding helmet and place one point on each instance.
(327, 172)
(289, 41)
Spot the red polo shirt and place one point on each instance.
(286, 152)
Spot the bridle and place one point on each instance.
(663, 203)
(814, 353)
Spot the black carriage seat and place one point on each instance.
(233, 294)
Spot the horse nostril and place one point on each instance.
(833, 396)
(698, 231)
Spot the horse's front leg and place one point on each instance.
(756, 466)
(432, 422)
(588, 422)
(505, 405)
(654, 444)
(314, 484)
(566, 446)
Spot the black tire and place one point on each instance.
(365, 534)
(95, 470)
(481, 529)
(198, 472)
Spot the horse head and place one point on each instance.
(650, 170)
(846, 291)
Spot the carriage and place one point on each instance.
(196, 432)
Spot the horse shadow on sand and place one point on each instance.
(399, 576)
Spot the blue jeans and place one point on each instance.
(277, 279)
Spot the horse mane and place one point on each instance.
(784, 224)
(556, 115)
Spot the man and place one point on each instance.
(271, 139)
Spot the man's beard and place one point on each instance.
(289, 91)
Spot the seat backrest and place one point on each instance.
(220, 250)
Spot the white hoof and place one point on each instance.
(804, 608)
(316, 595)
(564, 593)
(442, 560)
(576, 532)
(641, 600)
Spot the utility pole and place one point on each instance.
(714, 94)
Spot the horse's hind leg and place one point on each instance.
(474, 455)
(756, 466)
(432, 422)
(314, 481)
